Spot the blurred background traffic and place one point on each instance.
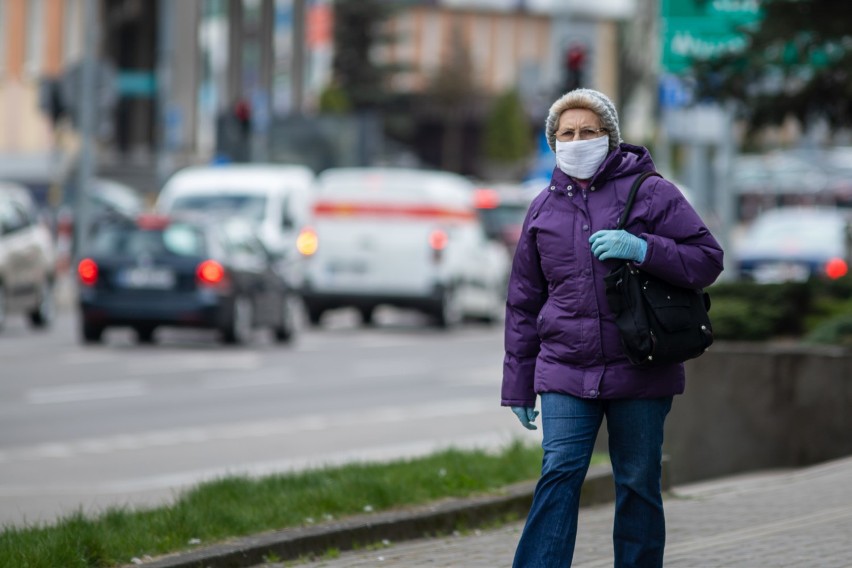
(333, 186)
(103, 102)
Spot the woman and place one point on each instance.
(562, 343)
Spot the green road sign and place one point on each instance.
(702, 28)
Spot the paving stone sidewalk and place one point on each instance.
(799, 518)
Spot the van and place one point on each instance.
(401, 237)
(274, 197)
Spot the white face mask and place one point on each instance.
(581, 159)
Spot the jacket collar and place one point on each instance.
(627, 159)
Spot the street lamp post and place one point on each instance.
(86, 123)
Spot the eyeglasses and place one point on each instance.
(582, 134)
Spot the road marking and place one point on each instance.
(182, 363)
(382, 369)
(238, 382)
(491, 441)
(86, 392)
(87, 357)
(481, 376)
(268, 428)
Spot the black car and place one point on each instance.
(183, 272)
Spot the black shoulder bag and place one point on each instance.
(659, 322)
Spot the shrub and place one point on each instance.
(815, 311)
(739, 319)
(746, 310)
(834, 331)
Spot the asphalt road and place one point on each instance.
(85, 427)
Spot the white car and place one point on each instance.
(402, 237)
(27, 259)
(274, 197)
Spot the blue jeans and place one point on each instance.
(569, 427)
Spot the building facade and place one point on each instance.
(38, 40)
(171, 74)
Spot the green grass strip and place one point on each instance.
(242, 505)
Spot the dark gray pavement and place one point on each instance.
(800, 518)
(782, 518)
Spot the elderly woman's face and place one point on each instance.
(578, 124)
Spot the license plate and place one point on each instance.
(776, 272)
(346, 267)
(155, 278)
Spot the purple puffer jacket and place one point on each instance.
(560, 334)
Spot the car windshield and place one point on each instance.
(499, 218)
(244, 205)
(178, 239)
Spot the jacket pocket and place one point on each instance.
(671, 306)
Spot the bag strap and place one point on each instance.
(632, 196)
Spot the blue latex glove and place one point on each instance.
(526, 416)
(618, 243)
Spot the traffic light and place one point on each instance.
(575, 66)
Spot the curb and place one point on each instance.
(442, 517)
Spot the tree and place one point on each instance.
(452, 96)
(798, 63)
(357, 34)
(507, 133)
(333, 100)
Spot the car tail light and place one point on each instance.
(438, 240)
(210, 273)
(836, 268)
(87, 270)
(486, 199)
(307, 242)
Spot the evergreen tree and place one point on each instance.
(357, 34)
(333, 100)
(507, 134)
(452, 95)
(798, 63)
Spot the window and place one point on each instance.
(286, 218)
(242, 205)
(12, 217)
(176, 240)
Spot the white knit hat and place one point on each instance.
(596, 102)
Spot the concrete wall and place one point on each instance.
(749, 407)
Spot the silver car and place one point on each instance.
(795, 244)
(27, 258)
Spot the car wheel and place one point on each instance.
(43, 314)
(315, 315)
(286, 329)
(92, 333)
(449, 312)
(239, 328)
(367, 314)
(145, 333)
